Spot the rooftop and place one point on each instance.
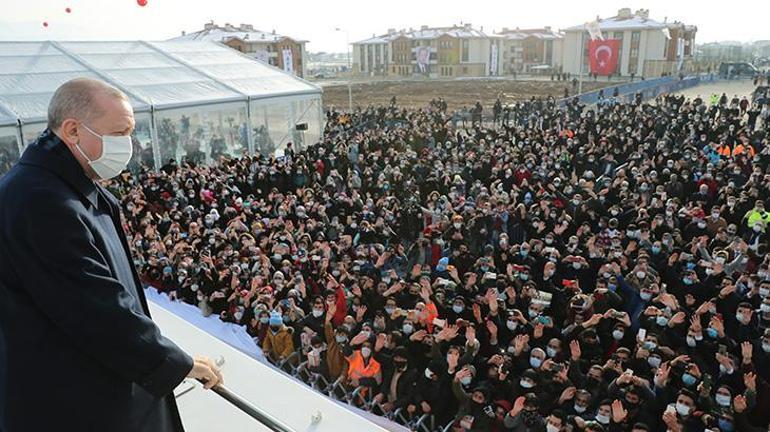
(627, 20)
(245, 32)
(464, 31)
(545, 33)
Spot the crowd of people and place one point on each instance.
(571, 269)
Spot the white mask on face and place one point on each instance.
(116, 153)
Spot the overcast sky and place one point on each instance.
(315, 20)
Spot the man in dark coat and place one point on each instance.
(82, 353)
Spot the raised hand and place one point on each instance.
(476, 312)
(491, 297)
(519, 342)
(670, 420)
(470, 334)
(739, 403)
(747, 352)
(379, 344)
(331, 309)
(574, 350)
(677, 319)
(567, 394)
(618, 412)
(538, 332)
(359, 339)
(360, 313)
(448, 333)
(594, 320)
(518, 405)
(661, 376)
(727, 290)
(492, 328)
(750, 381)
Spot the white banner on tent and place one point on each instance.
(288, 61)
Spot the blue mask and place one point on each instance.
(524, 252)
(712, 333)
(690, 265)
(687, 281)
(689, 380)
(656, 250)
(726, 425)
(649, 345)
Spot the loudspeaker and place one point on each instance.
(301, 126)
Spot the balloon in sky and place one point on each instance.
(68, 10)
(142, 3)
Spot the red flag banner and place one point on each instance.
(603, 56)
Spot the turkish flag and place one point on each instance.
(603, 56)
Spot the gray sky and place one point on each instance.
(315, 20)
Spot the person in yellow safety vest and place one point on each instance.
(757, 216)
(363, 369)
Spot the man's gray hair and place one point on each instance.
(75, 99)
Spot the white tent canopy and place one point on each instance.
(191, 99)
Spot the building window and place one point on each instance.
(636, 36)
(466, 50)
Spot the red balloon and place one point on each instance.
(142, 3)
(45, 23)
(68, 10)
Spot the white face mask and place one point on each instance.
(116, 153)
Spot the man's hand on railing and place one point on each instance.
(206, 371)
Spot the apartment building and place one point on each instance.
(524, 49)
(648, 47)
(435, 52)
(281, 51)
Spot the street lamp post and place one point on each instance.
(350, 67)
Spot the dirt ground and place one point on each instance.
(457, 93)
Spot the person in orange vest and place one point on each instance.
(724, 150)
(363, 369)
(744, 147)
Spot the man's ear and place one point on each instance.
(68, 132)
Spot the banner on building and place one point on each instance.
(423, 59)
(288, 61)
(594, 30)
(493, 61)
(680, 53)
(603, 56)
(262, 55)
